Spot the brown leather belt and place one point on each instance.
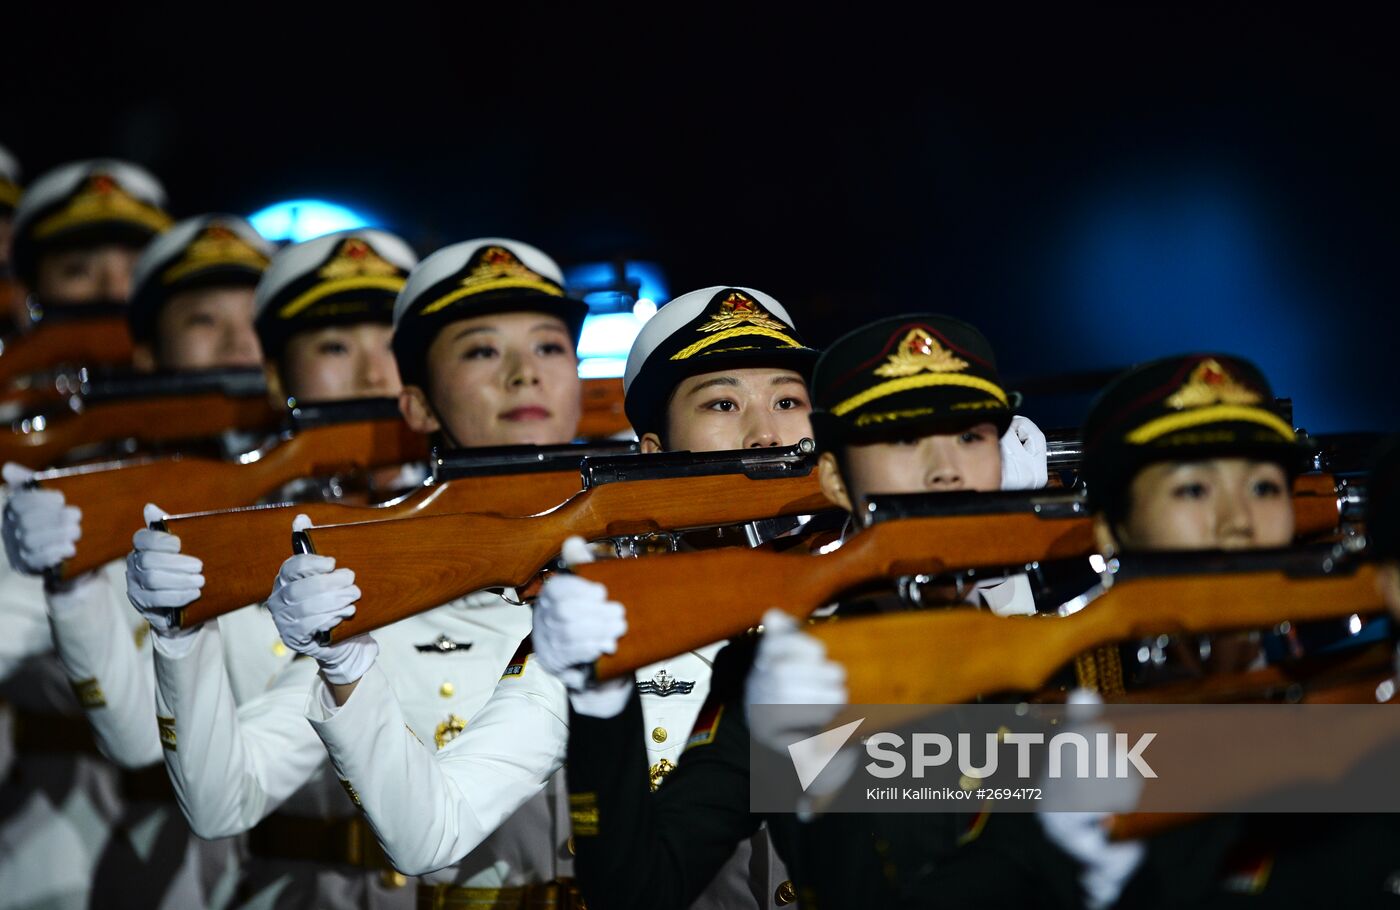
(558, 895)
(329, 842)
(38, 733)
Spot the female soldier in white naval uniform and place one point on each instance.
(429, 810)
(202, 264)
(494, 365)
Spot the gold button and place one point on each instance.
(570, 844)
(446, 690)
(279, 649)
(658, 735)
(785, 894)
(391, 879)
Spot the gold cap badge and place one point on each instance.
(496, 268)
(740, 309)
(1209, 384)
(920, 351)
(356, 259)
(102, 199)
(216, 245)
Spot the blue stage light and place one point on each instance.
(302, 219)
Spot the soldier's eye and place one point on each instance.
(972, 436)
(788, 404)
(1267, 489)
(75, 268)
(1189, 491)
(332, 348)
(722, 404)
(552, 348)
(479, 352)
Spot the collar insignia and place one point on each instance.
(1210, 384)
(920, 351)
(740, 309)
(216, 245)
(443, 645)
(356, 259)
(664, 684)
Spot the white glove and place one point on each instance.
(1023, 461)
(40, 529)
(1107, 865)
(159, 578)
(311, 595)
(574, 625)
(791, 668)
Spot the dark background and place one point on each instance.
(1090, 190)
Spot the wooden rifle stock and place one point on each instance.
(1345, 751)
(243, 549)
(676, 603)
(84, 342)
(1346, 676)
(1341, 678)
(731, 589)
(112, 495)
(405, 567)
(148, 420)
(953, 656)
(602, 409)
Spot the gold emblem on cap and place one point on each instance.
(740, 309)
(1210, 383)
(1210, 395)
(102, 199)
(356, 259)
(216, 245)
(354, 266)
(738, 315)
(920, 351)
(496, 269)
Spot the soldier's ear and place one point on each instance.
(143, 358)
(650, 444)
(417, 412)
(276, 389)
(1105, 540)
(832, 483)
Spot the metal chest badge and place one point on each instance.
(443, 645)
(664, 684)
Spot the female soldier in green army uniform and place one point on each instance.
(1184, 453)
